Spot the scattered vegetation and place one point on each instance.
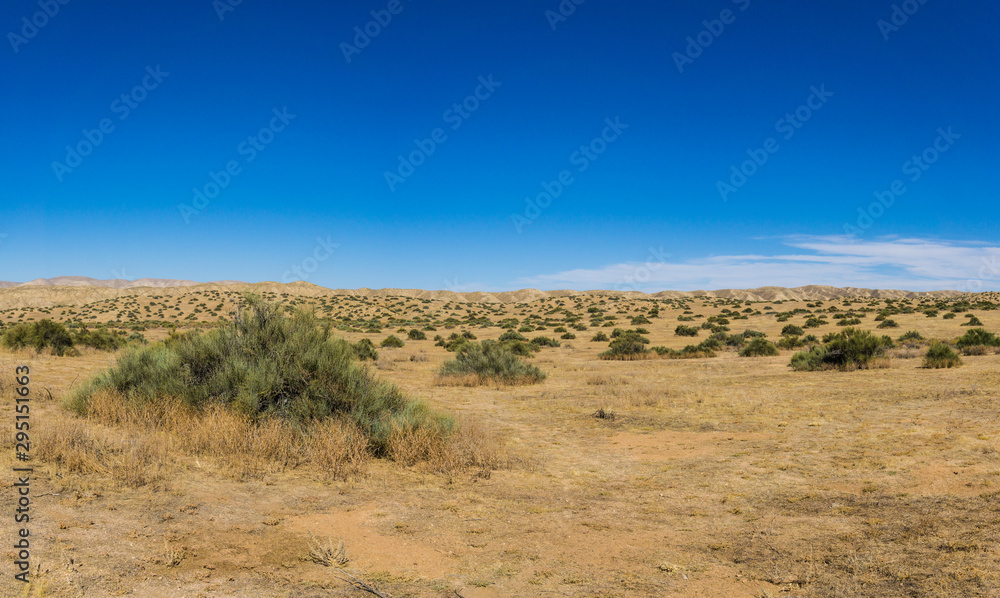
(940, 355)
(847, 350)
(489, 362)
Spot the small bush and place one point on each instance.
(846, 350)
(792, 330)
(392, 341)
(978, 336)
(491, 362)
(759, 347)
(912, 335)
(600, 337)
(888, 323)
(364, 350)
(511, 335)
(790, 342)
(626, 345)
(972, 321)
(544, 341)
(682, 330)
(568, 336)
(941, 355)
(416, 335)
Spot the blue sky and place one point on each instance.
(493, 146)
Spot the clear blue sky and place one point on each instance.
(653, 205)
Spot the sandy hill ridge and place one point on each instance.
(78, 290)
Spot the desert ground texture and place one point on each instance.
(713, 476)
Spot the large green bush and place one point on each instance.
(941, 355)
(759, 347)
(849, 349)
(45, 334)
(264, 363)
(978, 336)
(492, 361)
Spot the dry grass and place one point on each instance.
(135, 445)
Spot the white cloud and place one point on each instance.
(910, 264)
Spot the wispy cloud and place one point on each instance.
(911, 264)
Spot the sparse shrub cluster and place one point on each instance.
(61, 340)
(626, 344)
(490, 362)
(846, 350)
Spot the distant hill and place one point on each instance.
(83, 281)
(78, 290)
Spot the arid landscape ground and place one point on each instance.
(721, 476)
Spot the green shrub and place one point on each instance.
(682, 330)
(888, 323)
(639, 320)
(626, 345)
(100, 338)
(264, 363)
(688, 352)
(491, 361)
(391, 341)
(972, 321)
(600, 337)
(759, 347)
(949, 316)
(852, 348)
(416, 335)
(568, 336)
(912, 335)
(792, 330)
(941, 355)
(544, 341)
(45, 334)
(978, 336)
(364, 350)
(790, 342)
(510, 335)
